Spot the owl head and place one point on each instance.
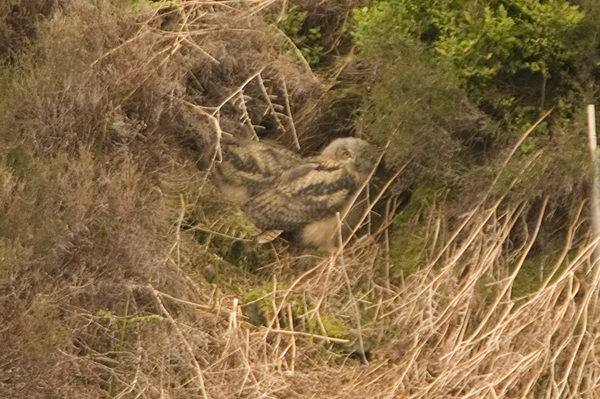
(352, 152)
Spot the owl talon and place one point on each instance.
(268, 236)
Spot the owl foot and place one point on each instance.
(268, 236)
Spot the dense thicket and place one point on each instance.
(458, 83)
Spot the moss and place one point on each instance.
(537, 267)
(334, 327)
(258, 306)
(225, 228)
(409, 236)
(406, 254)
(209, 213)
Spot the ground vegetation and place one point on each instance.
(124, 274)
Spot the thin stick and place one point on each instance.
(387, 246)
(178, 233)
(219, 234)
(291, 323)
(197, 305)
(298, 54)
(310, 335)
(263, 89)
(289, 112)
(595, 194)
(349, 284)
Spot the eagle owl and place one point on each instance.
(279, 190)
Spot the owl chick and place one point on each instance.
(305, 196)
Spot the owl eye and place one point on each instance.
(346, 154)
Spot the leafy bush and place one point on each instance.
(440, 67)
(485, 42)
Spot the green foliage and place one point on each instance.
(481, 42)
(411, 110)
(391, 112)
(309, 42)
(452, 73)
(292, 21)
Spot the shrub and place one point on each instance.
(487, 45)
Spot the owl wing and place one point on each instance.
(304, 194)
(248, 167)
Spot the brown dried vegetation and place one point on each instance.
(118, 276)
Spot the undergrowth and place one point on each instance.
(123, 274)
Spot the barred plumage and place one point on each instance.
(249, 167)
(279, 190)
